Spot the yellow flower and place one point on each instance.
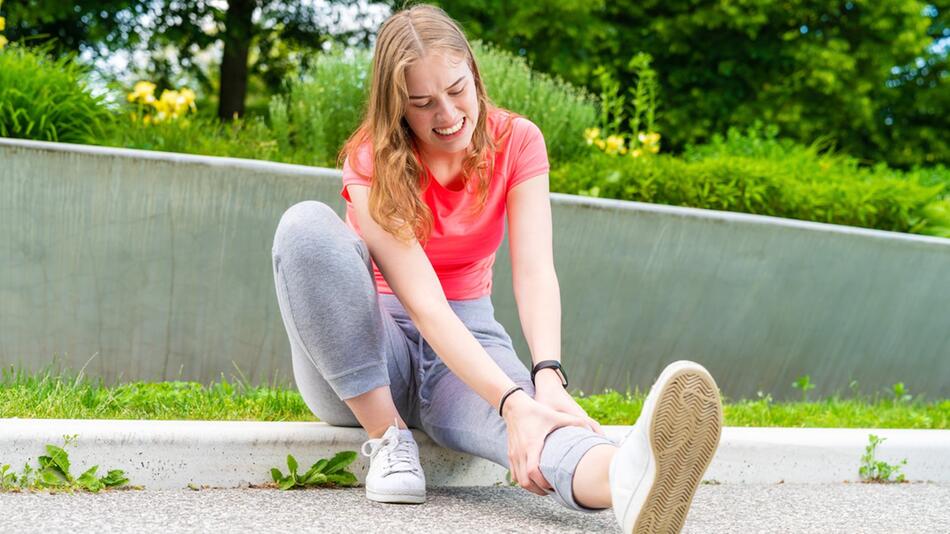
(614, 144)
(650, 141)
(187, 96)
(3, 41)
(590, 134)
(143, 92)
(649, 138)
(3, 23)
(600, 143)
(636, 153)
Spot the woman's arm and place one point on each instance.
(413, 280)
(536, 289)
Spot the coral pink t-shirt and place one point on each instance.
(462, 248)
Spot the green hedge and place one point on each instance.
(756, 173)
(245, 138)
(47, 100)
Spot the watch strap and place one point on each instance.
(550, 364)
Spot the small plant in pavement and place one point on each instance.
(53, 473)
(324, 472)
(874, 470)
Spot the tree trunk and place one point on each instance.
(237, 41)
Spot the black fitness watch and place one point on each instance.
(552, 364)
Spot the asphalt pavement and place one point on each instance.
(732, 508)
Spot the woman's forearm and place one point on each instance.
(538, 297)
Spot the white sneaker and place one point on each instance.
(395, 474)
(660, 463)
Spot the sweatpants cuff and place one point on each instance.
(575, 442)
(361, 380)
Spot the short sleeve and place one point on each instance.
(359, 172)
(529, 152)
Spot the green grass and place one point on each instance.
(62, 395)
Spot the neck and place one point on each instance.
(441, 159)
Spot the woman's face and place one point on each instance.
(443, 106)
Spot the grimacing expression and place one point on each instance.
(443, 105)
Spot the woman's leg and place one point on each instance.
(343, 344)
(456, 417)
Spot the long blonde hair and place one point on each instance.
(399, 178)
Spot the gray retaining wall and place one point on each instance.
(153, 266)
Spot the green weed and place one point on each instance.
(53, 473)
(322, 473)
(874, 470)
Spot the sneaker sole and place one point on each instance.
(403, 498)
(684, 435)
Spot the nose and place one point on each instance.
(444, 110)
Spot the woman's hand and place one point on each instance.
(550, 392)
(529, 422)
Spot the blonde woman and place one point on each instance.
(390, 317)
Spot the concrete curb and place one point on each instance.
(174, 454)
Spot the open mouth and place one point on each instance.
(454, 131)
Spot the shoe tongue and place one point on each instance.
(402, 434)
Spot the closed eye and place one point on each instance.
(429, 103)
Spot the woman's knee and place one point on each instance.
(302, 221)
(312, 234)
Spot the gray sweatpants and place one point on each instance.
(347, 339)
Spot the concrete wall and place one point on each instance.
(155, 266)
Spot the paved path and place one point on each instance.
(851, 508)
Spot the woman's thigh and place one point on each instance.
(343, 342)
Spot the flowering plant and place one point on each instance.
(613, 110)
(170, 106)
(3, 24)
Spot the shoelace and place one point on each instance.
(401, 457)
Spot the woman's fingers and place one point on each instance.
(526, 482)
(595, 426)
(534, 472)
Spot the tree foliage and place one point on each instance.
(263, 39)
(863, 74)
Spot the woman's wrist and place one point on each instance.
(548, 378)
(514, 402)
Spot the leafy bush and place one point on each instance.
(757, 173)
(46, 99)
(561, 111)
(243, 138)
(316, 115)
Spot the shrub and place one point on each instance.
(319, 111)
(243, 138)
(561, 111)
(757, 173)
(45, 99)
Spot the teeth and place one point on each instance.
(451, 130)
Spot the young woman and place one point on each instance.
(390, 317)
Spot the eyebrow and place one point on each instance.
(449, 87)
